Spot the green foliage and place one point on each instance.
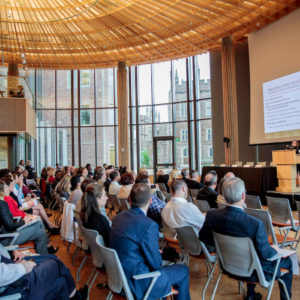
(145, 158)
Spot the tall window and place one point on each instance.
(76, 124)
(163, 103)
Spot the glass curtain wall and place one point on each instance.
(76, 117)
(171, 98)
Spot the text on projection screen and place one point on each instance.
(282, 106)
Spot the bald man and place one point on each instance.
(208, 192)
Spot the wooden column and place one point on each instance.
(123, 134)
(229, 101)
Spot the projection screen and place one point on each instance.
(274, 54)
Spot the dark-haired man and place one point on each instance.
(114, 186)
(208, 192)
(194, 184)
(179, 212)
(135, 238)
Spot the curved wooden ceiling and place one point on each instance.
(74, 34)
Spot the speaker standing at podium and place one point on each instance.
(295, 145)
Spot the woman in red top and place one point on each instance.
(38, 209)
(12, 204)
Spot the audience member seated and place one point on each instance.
(6, 188)
(184, 175)
(34, 232)
(51, 175)
(234, 221)
(64, 187)
(82, 172)
(156, 205)
(37, 277)
(107, 182)
(135, 238)
(83, 186)
(228, 175)
(162, 177)
(58, 177)
(76, 193)
(208, 192)
(99, 175)
(143, 171)
(127, 182)
(193, 183)
(22, 165)
(89, 169)
(94, 198)
(178, 212)
(114, 187)
(30, 169)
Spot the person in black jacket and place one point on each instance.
(30, 169)
(194, 184)
(208, 192)
(92, 200)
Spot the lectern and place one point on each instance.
(286, 163)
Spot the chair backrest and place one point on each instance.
(109, 203)
(160, 195)
(238, 256)
(162, 187)
(116, 203)
(265, 217)
(188, 240)
(194, 192)
(280, 210)
(202, 205)
(253, 202)
(60, 201)
(117, 280)
(262, 163)
(168, 197)
(249, 163)
(81, 233)
(124, 204)
(91, 236)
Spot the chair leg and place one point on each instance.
(91, 285)
(208, 280)
(241, 287)
(109, 296)
(80, 268)
(216, 286)
(285, 289)
(68, 248)
(74, 255)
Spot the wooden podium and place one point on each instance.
(286, 163)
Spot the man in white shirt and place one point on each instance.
(114, 187)
(178, 212)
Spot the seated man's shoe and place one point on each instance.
(52, 250)
(256, 296)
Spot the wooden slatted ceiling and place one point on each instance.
(77, 34)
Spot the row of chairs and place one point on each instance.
(104, 256)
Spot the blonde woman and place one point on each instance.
(64, 187)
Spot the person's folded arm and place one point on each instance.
(150, 247)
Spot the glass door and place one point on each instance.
(163, 154)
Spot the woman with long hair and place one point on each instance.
(93, 200)
(64, 187)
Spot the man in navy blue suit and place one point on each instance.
(135, 238)
(234, 221)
